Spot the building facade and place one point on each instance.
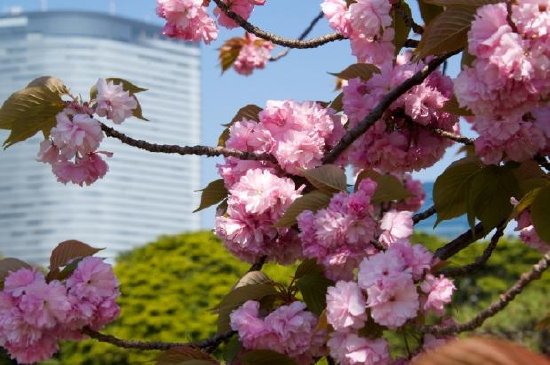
(144, 195)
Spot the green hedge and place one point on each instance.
(169, 286)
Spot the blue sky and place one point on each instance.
(302, 75)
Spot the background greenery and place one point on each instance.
(170, 286)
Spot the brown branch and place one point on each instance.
(460, 243)
(409, 21)
(209, 343)
(384, 104)
(423, 215)
(258, 265)
(411, 43)
(285, 42)
(185, 150)
(542, 161)
(480, 261)
(509, 17)
(452, 136)
(302, 36)
(504, 299)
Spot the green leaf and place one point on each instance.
(312, 201)
(526, 201)
(489, 195)
(253, 277)
(32, 109)
(126, 86)
(238, 297)
(428, 11)
(308, 266)
(327, 178)
(247, 112)
(313, 287)
(266, 357)
(185, 355)
(361, 70)
(540, 213)
(232, 349)
(447, 32)
(67, 251)
(212, 194)
(402, 29)
(467, 59)
(388, 187)
(452, 106)
(9, 265)
(451, 188)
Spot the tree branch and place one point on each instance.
(481, 260)
(505, 298)
(302, 36)
(185, 150)
(452, 136)
(423, 215)
(409, 21)
(543, 161)
(384, 104)
(210, 343)
(285, 42)
(460, 243)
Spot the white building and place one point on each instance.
(143, 195)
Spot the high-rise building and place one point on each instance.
(143, 195)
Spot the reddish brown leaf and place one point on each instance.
(9, 265)
(68, 251)
(229, 52)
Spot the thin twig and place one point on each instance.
(480, 261)
(409, 21)
(423, 215)
(452, 136)
(504, 299)
(285, 42)
(411, 43)
(302, 36)
(384, 104)
(208, 345)
(185, 150)
(460, 243)
(258, 265)
(541, 160)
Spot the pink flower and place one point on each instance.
(380, 267)
(113, 102)
(255, 53)
(345, 306)
(77, 133)
(241, 7)
(416, 257)
(440, 291)
(40, 350)
(350, 349)
(45, 305)
(247, 322)
(187, 20)
(18, 282)
(393, 301)
(395, 225)
(48, 153)
(85, 170)
(338, 16)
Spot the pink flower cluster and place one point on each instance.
(340, 236)
(255, 204)
(72, 149)
(404, 130)
(289, 330)
(36, 314)
(254, 54)
(509, 80)
(392, 287)
(189, 19)
(368, 25)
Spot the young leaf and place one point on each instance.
(388, 187)
(212, 194)
(185, 355)
(327, 178)
(540, 213)
(238, 297)
(447, 32)
(313, 201)
(338, 103)
(361, 70)
(452, 106)
(266, 357)
(308, 266)
(9, 265)
(229, 52)
(253, 277)
(450, 192)
(68, 251)
(30, 111)
(428, 11)
(402, 28)
(313, 287)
